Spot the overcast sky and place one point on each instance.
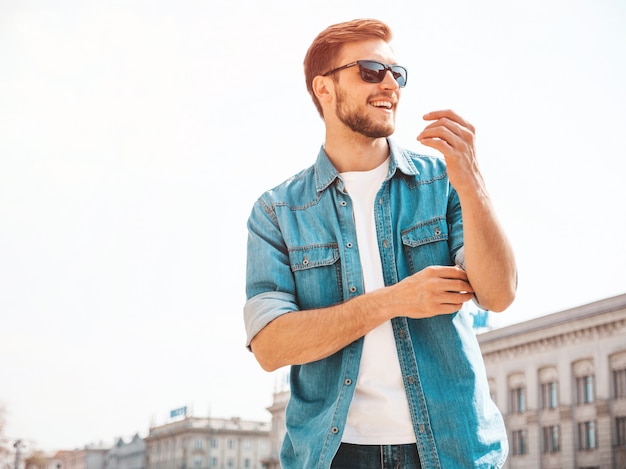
(136, 135)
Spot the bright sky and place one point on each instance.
(136, 135)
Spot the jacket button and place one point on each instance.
(334, 430)
(352, 289)
(348, 382)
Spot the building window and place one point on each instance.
(214, 443)
(197, 443)
(246, 463)
(518, 443)
(214, 462)
(550, 395)
(197, 461)
(231, 444)
(518, 400)
(584, 386)
(587, 435)
(551, 440)
(583, 372)
(620, 429)
(619, 383)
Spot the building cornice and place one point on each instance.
(593, 321)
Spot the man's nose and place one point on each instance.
(389, 81)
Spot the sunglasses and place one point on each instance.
(374, 72)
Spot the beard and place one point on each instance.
(358, 121)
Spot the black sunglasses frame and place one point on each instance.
(397, 71)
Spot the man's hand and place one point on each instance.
(489, 259)
(454, 137)
(430, 292)
(309, 335)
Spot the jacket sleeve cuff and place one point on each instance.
(262, 309)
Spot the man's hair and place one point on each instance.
(323, 53)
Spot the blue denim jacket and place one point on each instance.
(303, 253)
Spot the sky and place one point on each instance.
(136, 135)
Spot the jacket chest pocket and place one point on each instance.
(426, 244)
(317, 273)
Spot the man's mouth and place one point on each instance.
(384, 104)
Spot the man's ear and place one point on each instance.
(323, 88)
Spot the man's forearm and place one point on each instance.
(489, 258)
(306, 336)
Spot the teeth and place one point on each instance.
(385, 104)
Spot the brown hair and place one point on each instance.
(327, 46)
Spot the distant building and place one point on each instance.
(55, 461)
(90, 457)
(560, 382)
(208, 443)
(277, 409)
(38, 460)
(131, 455)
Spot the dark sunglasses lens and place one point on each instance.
(399, 73)
(372, 72)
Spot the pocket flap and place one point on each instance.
(308, 257)
(425, 232)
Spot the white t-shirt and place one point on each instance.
(379, 412)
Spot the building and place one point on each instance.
(90, 457)
(208, 443)
(560, 383)
(122, 455)
(54, 461)
(279, 427)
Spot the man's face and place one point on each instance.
(366, 108)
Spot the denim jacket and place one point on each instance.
(303, 254)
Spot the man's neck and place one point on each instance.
(358, 153)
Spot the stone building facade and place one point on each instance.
(208, 443)
(560, 382)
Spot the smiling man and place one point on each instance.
(358, 267)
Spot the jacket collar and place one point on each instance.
(326, 173)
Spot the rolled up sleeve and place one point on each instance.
(262, 309)
(270, 288)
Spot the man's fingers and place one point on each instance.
(446, 272)
(440, 132)
(449, 114)
(459, 286)
(448, 130)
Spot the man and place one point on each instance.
(352, 279)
